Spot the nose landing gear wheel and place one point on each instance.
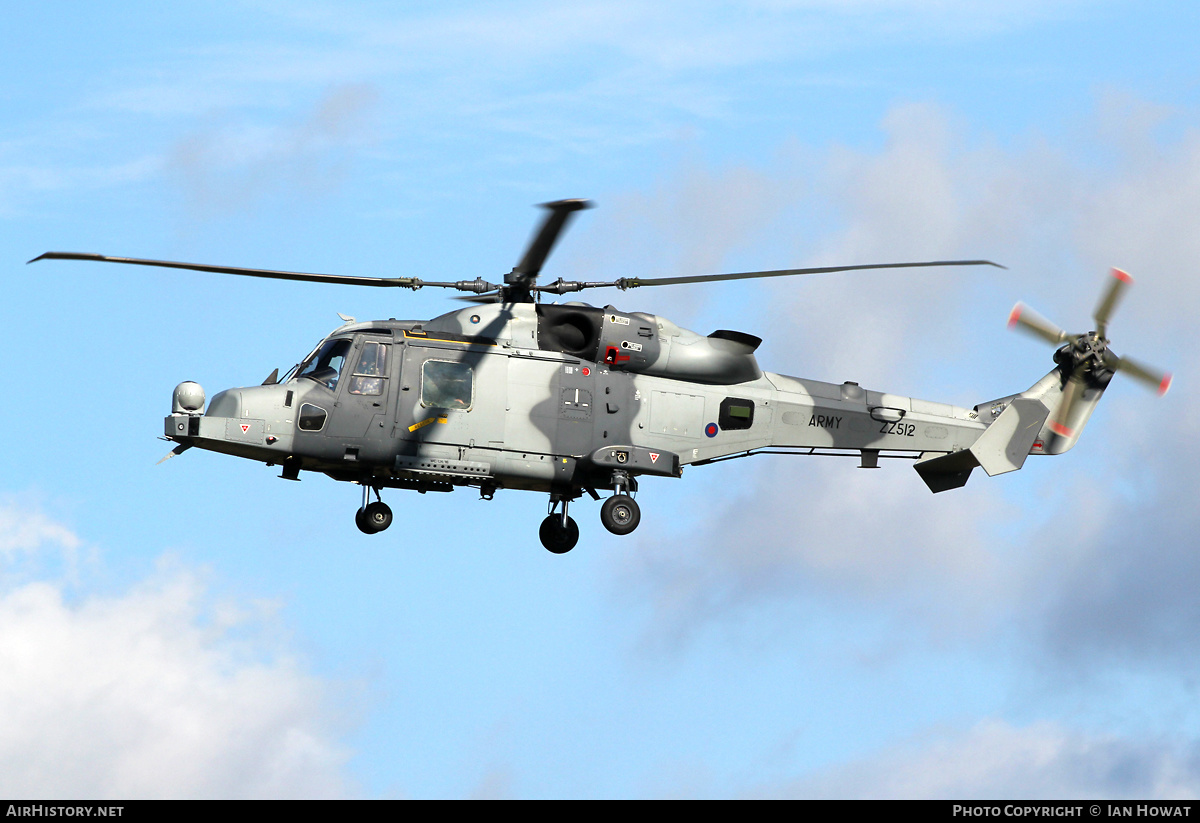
(374, 518)
(556, 538)
(620, 514)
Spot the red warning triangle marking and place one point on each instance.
(245, 428)
(653, 457)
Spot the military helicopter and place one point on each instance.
(567, 399)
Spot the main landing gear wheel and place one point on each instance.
(374, 518)
(556, 538)
(620, 514)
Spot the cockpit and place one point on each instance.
(325, 363)
(325, 366)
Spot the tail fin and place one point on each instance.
(1018, 421)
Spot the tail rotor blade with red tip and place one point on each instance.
(1071, 393)
(1158, 380)
(1023, 317)
(1104, 309)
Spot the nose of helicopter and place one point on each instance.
(267, 403)
(227, 403)
(253, 421)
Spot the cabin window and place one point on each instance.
(736, 413)
(312, 418)
(325, 365)
(371, 370)
(446, 385)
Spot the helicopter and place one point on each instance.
(571, 399)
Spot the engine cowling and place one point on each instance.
(722, 358)
(648, 344)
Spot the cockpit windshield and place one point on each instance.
(325, 364)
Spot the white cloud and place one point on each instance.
(816, 530)
(1055, 543)
(230, 166)
(997, 760)
(157, 691)
(20, 180)
(534, 80)
(26, 530)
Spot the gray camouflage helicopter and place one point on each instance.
(567, 399)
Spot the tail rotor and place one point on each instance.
(1086, 361)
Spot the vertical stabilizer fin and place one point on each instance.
(1005, 444)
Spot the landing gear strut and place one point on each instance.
(559, 533)
(372, 518)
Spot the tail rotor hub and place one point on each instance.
(1088, 351)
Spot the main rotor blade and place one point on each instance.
(478, 285)
(401, 282)
(1160, 381)
(487, 297)
(543, 241)
(1104, 309)
(1026, 318)
(636, 282)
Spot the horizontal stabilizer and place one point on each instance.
(1004, 444)
(947, 471)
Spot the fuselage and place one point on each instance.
(550, 398)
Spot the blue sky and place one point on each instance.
(776, 626)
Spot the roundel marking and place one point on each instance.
(711, 429)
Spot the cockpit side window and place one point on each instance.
(325, 365)
(371, 370)
(447, 385)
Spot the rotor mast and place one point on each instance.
(520, 283)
